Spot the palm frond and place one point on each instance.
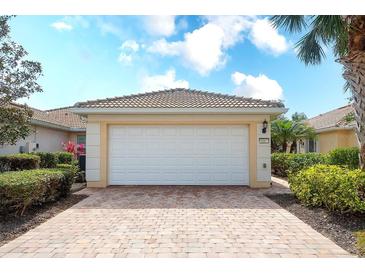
(309, 49)
(324, 30)
(299, 116)
(332, 29)
(329, 27)
(340, 47)
(291, 23)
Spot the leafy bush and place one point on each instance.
(280, 163)
(64, 157)
(21, 189)
(347, 157)
(71, 173)
(15, 162)
(48, 159)
(333, 187)
(284, 163)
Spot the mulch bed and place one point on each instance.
(336, 226)
(13, 226)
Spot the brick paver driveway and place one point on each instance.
(173, 221)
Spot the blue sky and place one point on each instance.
(92, 57)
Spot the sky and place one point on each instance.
(94, 57)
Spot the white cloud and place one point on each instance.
(200, 49)
(163, 25)
(232, 26)
(128, 51)
(60, 25)
(260, 87)
(71, 22)
(204, 49)
(107, 26)
(166, 48)
(238, 77)
(163, 81)
(125, 58)
(130, 45)
(77, 20)
(264, 36)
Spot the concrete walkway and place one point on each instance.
(174, 221)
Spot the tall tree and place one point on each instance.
(299, 116)
(346, 35)
(18, 79)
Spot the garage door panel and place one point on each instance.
(178, 155)
(153, 132)
(219, 132)
(186, 132)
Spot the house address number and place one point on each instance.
(264, 140)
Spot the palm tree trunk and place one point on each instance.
(354, 74)
(293, 147)
(285, 146)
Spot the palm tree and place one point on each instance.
(299, 116)
(346, 35)
(285, 131)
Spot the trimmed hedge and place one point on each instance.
(346, 157)
(34, 160)
(71, 173)
(48, 159)
(334, 187)
(283, 164)
(64, 157)
(13, 162)
(21, 189)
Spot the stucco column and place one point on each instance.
(103, 154)
(262, 147)
(252, 152)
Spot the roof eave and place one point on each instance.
(55, 126)
(260, 110)
(326, 129)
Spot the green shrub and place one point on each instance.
(333, 187)
(21, 189)
(48, 159)
(280, 163)
(19, 161)
(284, 163)
(347, 157)
(71, 173)
(64, 157)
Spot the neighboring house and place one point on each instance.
(50, 129)
(178, 137)
(335, 129)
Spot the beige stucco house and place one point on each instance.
(50, 129)
(335, 129)
(178, 137)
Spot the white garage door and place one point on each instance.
(178, 155)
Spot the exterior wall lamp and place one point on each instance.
(264, 126)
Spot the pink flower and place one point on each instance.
(71, 147)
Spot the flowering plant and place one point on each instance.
(80, 149)
(73, 148)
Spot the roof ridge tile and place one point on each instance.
(177, 98)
